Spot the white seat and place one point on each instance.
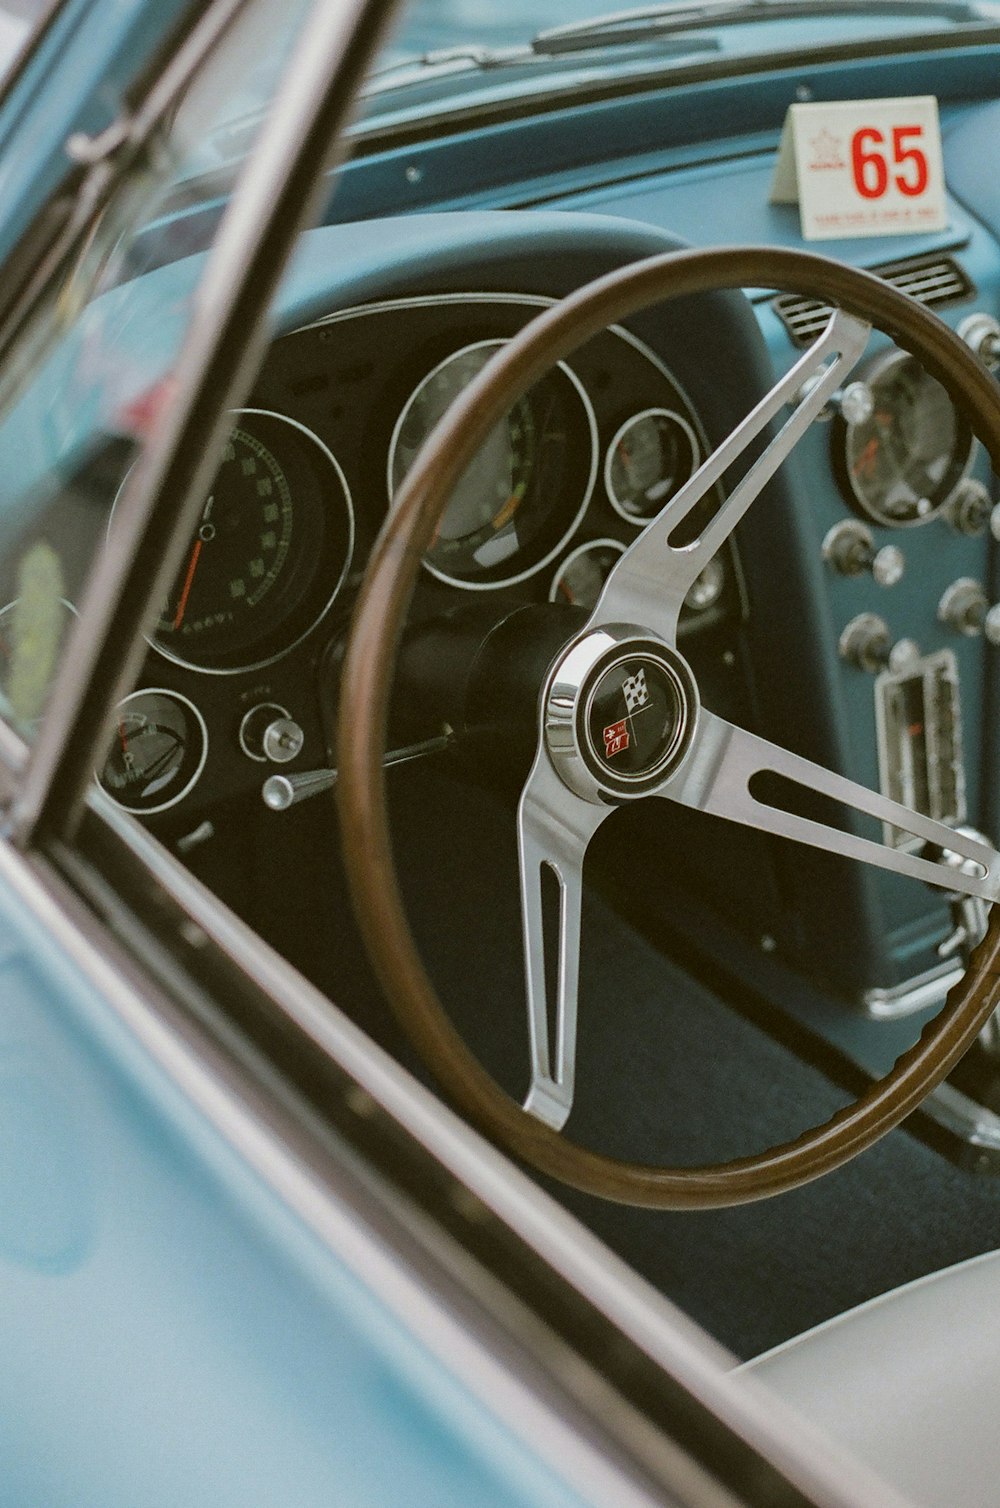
(910, 1382)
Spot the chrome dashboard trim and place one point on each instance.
(916, 994)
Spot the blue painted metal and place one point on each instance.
(172, 1333)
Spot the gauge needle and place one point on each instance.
(866, 460)
(188, 579)
(127, 759)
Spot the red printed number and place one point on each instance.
(871, 167)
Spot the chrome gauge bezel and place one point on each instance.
(316, 618)
(685, 425)
(497, 583)
(199, 722)
(842, 429)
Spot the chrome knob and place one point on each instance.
(964, 607)
(283, 740)
(866, 643)
(970, 510)
(855, 403)
(981, 334)
(850, 550)
(269, 735)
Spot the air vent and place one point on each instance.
(930, 280)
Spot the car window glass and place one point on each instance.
(95, 365)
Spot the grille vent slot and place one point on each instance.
(930, 280)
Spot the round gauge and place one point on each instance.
(902, 463)
(523, 494)
(581, 577)
(157, 752)
(707, 587)
(650, 458)
(269, 554)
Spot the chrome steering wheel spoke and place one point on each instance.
(648, 585)
(554, 828)
(724, 762)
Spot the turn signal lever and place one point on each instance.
(282, 791)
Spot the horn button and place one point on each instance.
(620, 710)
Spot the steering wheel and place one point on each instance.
(620, 719)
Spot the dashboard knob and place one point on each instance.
(855, 402)
(866, 643)
(851, 551)
(970, 509)
(991, 624)
(964, 607)
(981, 334)
(269, 735)
(283, 740)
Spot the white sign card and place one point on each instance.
(862, 167)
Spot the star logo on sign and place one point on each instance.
(826, 151)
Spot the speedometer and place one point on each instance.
(269, 553)
(902, 463)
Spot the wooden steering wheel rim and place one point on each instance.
(367, 678)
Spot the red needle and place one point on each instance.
(123, 737)
(188, 579)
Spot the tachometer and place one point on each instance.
(270, 551)
(902, 464)
(527, 488)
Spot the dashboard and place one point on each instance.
(853, 619)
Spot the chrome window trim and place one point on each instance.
(280, 183)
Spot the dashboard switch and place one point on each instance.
(850, 550)
(269, 735)
(855, 403)
(981, 334)
(964, 607)
(970, 509)
(866, 643)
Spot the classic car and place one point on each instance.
(499, 607)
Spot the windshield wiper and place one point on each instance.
(633, 27)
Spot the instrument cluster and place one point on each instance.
(563, 484)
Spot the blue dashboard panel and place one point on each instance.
(728, 204)
(173, 1333)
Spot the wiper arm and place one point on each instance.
(442, 61)
(632, 27)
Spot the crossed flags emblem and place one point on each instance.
(635, 690)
